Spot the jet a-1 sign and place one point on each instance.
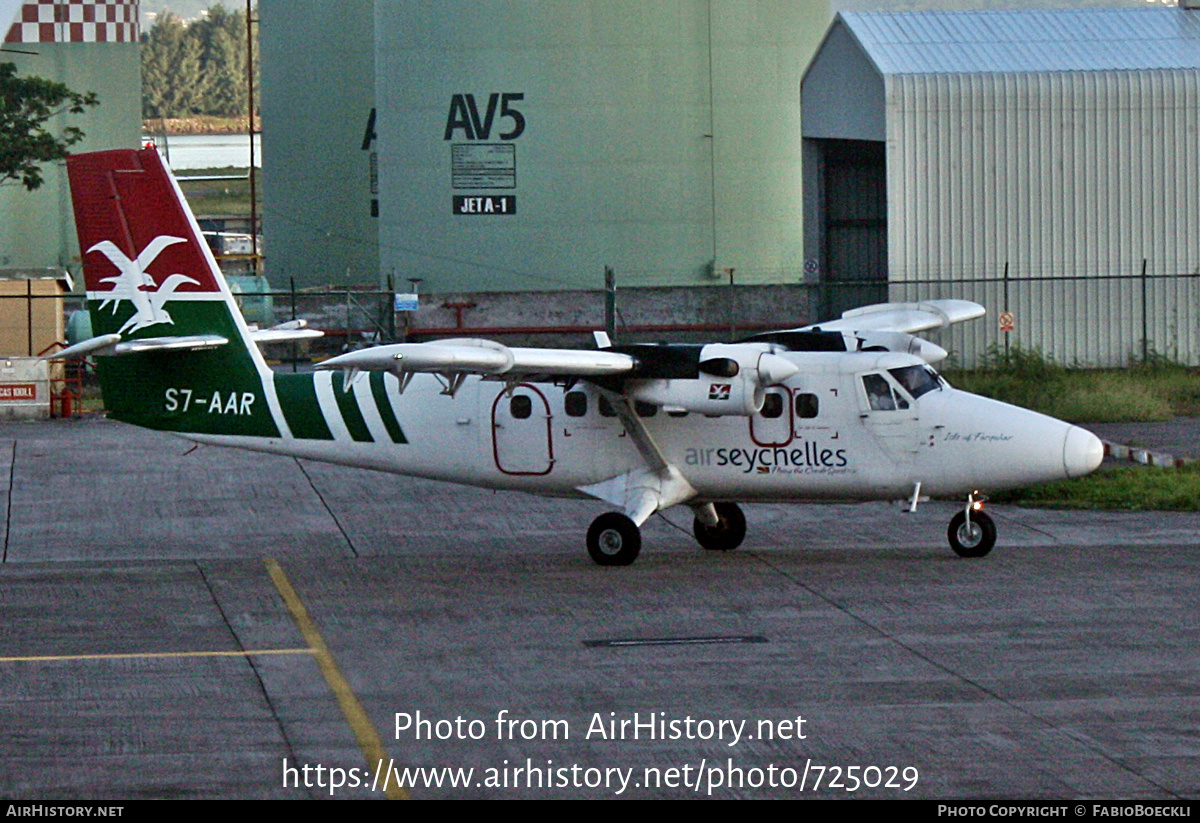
(850, 410)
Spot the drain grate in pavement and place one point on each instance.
(676, 641)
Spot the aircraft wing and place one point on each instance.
(881, 327)
(908, 318)
(887, 325)
(453, 359)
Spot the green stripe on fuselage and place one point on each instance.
(298, 397)
(219, 391)
(379, 392)
(351, 414)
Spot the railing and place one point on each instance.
(1089, 320)
(1103, 320)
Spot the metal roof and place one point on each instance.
(1001, 42)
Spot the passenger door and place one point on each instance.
(521, 433)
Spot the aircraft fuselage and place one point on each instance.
(819, 436)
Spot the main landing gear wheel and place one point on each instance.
(974, 539)
(614, 540)
(729, 532)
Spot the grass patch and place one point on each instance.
(219, 196)
(1130, 488)
(199, 124)
(1154, 390)
(91, 402)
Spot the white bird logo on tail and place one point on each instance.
(131, 284)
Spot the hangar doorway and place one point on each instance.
(853, 220)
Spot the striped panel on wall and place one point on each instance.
(76, 21)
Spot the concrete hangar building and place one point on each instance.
(523, 146)
(90, 45)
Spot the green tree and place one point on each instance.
(171, 70)
(225, 75)
(26, 103)
(196, 68)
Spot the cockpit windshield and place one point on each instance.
(916, 380)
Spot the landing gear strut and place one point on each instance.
(614, 540)
(727, 533)
(972, 533)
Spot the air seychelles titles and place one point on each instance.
(807, 456)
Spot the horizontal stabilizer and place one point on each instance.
(195, 342)
(112, 345)
(288, 332)
(86, 348)
(483, 357)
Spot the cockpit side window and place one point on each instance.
(881, 395)
(916, 380)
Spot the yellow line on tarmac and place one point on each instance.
(368, 739)
(143, 655)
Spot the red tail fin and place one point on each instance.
(159, 303)
(135, 231)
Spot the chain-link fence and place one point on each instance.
(1092, 321)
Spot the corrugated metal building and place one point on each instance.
(1044, 163)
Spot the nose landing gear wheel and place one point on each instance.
(974, 539)
(613, 540)
(729, 532)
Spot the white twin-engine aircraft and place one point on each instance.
(850, 410)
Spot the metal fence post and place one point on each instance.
(1145, 318)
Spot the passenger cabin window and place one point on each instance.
(575, 404)
(916, 380)
(806, 406)
(520, 406)
(606, 409)
(645, 409)
(772, 406)
(880, 394)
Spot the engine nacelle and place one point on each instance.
(704, 395)
(905, 343)
(732, 380)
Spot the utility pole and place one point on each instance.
(250, 128)
(732, 306)
(610, 303)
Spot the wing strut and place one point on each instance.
(641, 492)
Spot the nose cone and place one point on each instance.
(774, 369)
(1082, 452)
(929, 352)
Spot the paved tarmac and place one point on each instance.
(1178, 438)
(179, 623)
